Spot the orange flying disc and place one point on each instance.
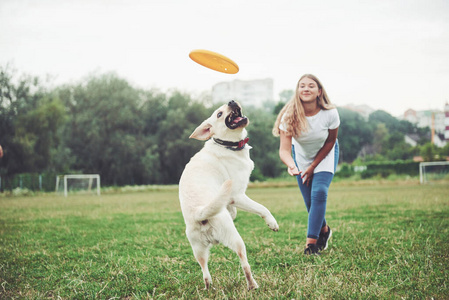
(214, 61)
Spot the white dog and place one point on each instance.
(213, 185)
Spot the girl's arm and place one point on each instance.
(285, 153)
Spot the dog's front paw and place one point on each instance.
(272, 224)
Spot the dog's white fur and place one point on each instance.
(212, 186)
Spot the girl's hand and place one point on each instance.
(307, 174)
(293, 171)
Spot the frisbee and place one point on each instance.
(214, 61)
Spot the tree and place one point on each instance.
(286, 95)
(380, 116)
(105, 128)
(265, 153)
(30, 117)
(174, 147)
(36, 132)
(353, 134)
(380, 138)
(429, 152)
(444, 152)
(395, 147)
(389, 139)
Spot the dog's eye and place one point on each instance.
(219, 114)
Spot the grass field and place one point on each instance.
(390, 241)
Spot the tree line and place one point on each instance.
(131, 136)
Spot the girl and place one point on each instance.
(308, 128)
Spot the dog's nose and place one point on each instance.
(232, 104)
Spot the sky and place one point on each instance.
(387, 54)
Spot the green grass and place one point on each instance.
(390, 241)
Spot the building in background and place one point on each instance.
(250, 92)
(425, 118)
(436, 120)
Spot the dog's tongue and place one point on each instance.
(236, 120)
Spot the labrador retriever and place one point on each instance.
(213, 185)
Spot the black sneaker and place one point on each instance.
(312, 249)
(323, 239)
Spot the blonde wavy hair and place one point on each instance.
(293, 115)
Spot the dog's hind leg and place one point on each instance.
(235, 242)
(202, 256)
(239, 247)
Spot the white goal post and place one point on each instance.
(423, 178)
(90, 177)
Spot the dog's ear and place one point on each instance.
(202, 132)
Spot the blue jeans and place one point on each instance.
(315, 197)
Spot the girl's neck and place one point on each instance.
(311, 109)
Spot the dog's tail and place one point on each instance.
(217, 204)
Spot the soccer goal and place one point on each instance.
(435, 170)
(88, 183)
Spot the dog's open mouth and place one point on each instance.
(235, 119)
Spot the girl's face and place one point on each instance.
(308, 90)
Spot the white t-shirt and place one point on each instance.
(309, 143)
